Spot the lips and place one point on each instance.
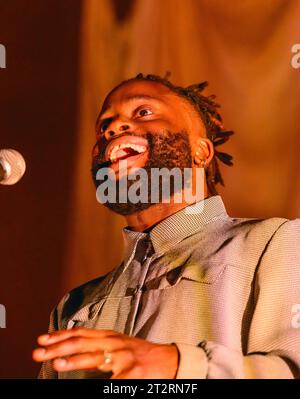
(126, 147)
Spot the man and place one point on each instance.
(199, 294)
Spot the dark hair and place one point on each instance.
(207, 108)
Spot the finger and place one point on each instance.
(67, 347)
(84, 361)
(57, 336)
(120, 360)
(125, 375)
(79, 344)
(132, 372)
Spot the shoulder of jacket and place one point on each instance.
(257, 225)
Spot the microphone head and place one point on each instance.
(13, 164)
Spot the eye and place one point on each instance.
(104, 125)
(144, 112)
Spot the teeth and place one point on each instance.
(115, 149)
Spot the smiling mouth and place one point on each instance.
(127, 150)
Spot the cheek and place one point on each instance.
(99, 147)
(160, 125)
(189, 119)
(95, 151)
(193, 141)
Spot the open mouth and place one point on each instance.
(124, 151)
(127, 148)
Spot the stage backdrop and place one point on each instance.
(63, 57)
(244, 50)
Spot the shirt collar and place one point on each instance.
(165, 235)
(177, 227)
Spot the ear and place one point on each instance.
(204, 152)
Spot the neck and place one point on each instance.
(140, 221)
(147, 218)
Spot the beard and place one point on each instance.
(167, 150)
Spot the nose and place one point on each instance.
(115, 128)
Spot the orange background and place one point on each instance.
(62, 58)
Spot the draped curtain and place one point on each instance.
(244, 50)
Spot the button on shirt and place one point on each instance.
(224, 290)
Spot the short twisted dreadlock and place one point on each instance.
(207, 108)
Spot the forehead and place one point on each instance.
(134, 89)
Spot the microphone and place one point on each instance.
(12, 166)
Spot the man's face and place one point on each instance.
(147, 125)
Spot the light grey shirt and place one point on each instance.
(231, 285)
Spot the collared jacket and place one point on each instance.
(225, 290)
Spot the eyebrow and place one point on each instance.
(128, 98)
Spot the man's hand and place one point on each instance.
(83, 349)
